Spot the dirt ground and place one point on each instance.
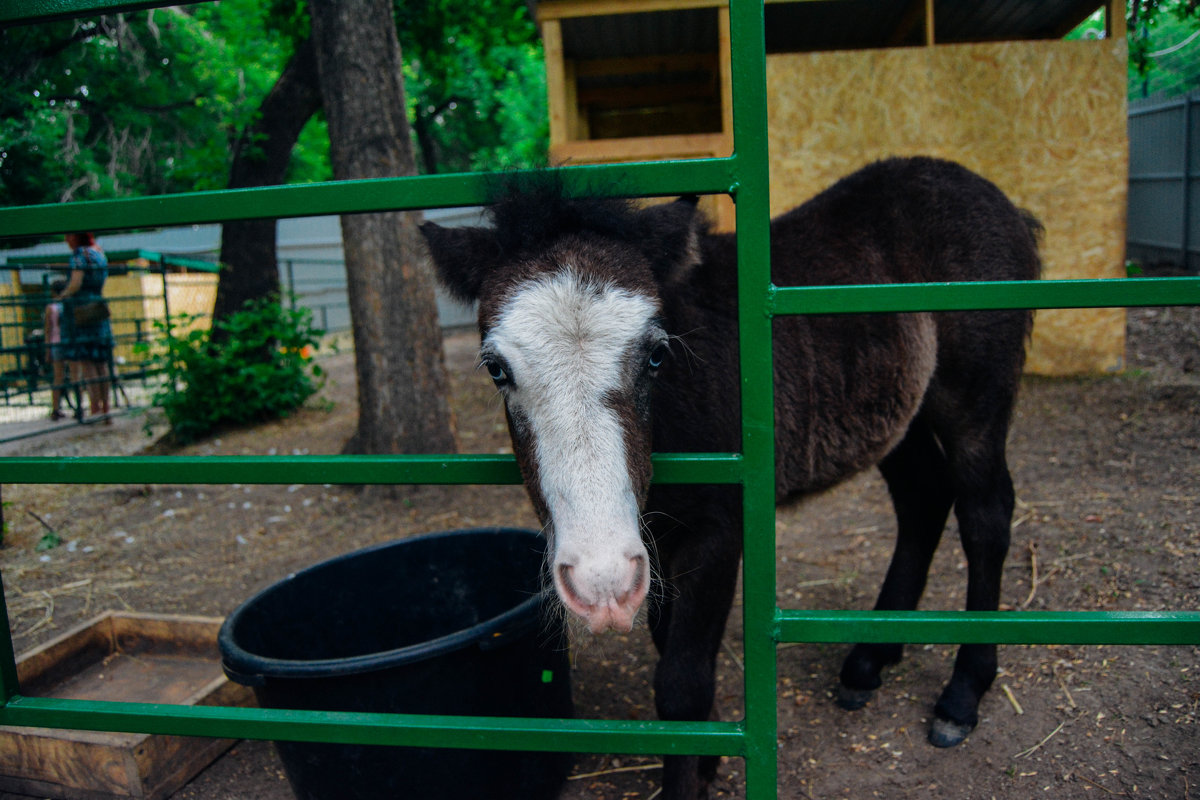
(1107, 471)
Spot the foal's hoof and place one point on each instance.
(852, 699)
(947, 733)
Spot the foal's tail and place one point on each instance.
(1037, 231)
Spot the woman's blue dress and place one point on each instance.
(87, 342)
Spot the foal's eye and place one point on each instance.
(496, 371)
(657, 356)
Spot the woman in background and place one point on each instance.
(87, 339)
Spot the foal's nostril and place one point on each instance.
(564, 579)
(640, 573)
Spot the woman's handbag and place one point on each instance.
(90, 313)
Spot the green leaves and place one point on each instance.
(475, 84)
(49, 541)
(1160, 60)
(260, 368)
(131, 104)
(151, 102)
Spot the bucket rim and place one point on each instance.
(251, 669)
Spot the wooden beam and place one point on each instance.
(1114, 19)
(576, 117)
(556, 83)
(642, 148)
(567, 9)
(929, 24)
(725, 64)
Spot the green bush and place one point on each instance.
(252, 366)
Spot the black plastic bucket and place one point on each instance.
(449, 623)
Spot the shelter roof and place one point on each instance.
(128, 258)
(604, 29)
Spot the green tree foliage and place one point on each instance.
(105, 107)
(261, 36)
(262, 371)
(131, 104)
(1164, 47)
(475, 84)
(151, 102)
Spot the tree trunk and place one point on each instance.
(260, 158)
(402, 386)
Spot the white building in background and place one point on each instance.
(309, 251)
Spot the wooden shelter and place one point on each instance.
(989, 83)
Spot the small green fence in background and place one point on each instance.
(144, 289)
(743, 176)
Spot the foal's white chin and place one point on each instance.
(606, 593)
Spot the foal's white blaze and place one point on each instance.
(567, 343)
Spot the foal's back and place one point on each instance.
(847, 387)
(905, 220)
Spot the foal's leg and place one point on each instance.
(699, 564)
(984, 508)
(918, 479)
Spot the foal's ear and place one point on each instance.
(670, 238)
(461, 257)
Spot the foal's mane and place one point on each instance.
(532, 209)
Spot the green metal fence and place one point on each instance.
(742, 175)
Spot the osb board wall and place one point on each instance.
(12, 323)
(136, 302)
(1045, 121)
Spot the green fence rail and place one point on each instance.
(742, 175)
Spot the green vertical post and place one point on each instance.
(752, 196)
